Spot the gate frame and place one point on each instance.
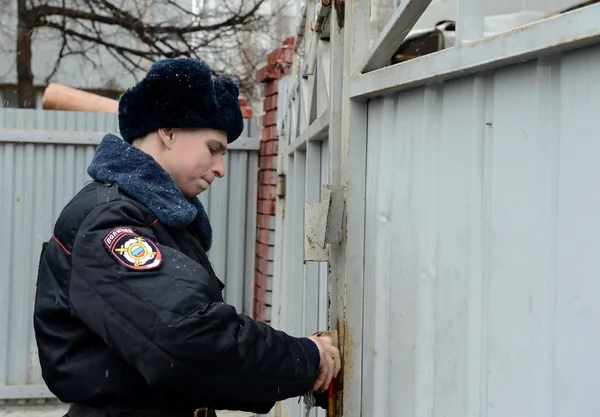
(356, 74)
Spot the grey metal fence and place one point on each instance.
(44, 157)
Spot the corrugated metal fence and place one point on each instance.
(464, 282)
(44, 157)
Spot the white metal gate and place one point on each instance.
(463, 184)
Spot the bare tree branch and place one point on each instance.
(233, 37)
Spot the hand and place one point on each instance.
(330, 363)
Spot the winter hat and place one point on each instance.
(180, 93)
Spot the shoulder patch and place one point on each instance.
(132, 250)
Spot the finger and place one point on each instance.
(335, 354)
(330, 369)
(321, 378)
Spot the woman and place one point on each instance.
(129, 316)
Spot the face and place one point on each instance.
(194, 157)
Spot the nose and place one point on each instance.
(219, 168)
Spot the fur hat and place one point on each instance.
(180, 93)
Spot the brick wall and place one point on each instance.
(279, 64)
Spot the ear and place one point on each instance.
(166, 137)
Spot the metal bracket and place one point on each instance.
(323, 223)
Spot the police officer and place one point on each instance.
(129, 317)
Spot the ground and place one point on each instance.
(59, 411)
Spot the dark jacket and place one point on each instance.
(129, 313)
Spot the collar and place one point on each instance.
(141, 177)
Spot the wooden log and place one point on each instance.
(60, 97)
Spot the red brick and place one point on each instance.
(266, 192)
(267, 162)
(270, 119)
(261, 294)
(264, 235)
(263, 281)
(269, 133)
(268, 72)
(247, 112)
(266, 207)
(259, 310)
(263, 192)
(289, 41)
(279, 63)
(264, 222)
(260, 280)
(270, 103)
(262, 250)
(287, 55)
(272, 148)
(267, 177)
(271, 88)
(262, 74)
(274, 57)
(261, 265)
(268, 148)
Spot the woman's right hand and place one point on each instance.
(330, 364)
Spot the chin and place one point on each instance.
(191, 193)
(201, 188)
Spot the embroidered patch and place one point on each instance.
(132, 250)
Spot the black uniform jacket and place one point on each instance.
(129, 313)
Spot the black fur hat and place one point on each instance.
(180, 93)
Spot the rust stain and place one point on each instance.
(340, 7)
(521, 29)
(346, 340)
(506, 34)
(339, 383)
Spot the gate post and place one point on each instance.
(279, 64)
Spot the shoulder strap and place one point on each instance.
(105, 193)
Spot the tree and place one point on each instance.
(381, 10)
(229, 36)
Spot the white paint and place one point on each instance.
(467, 280)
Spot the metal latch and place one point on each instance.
(323, 223)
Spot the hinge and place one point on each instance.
(323, 223)
(280, 186)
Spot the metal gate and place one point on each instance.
(459, 218)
